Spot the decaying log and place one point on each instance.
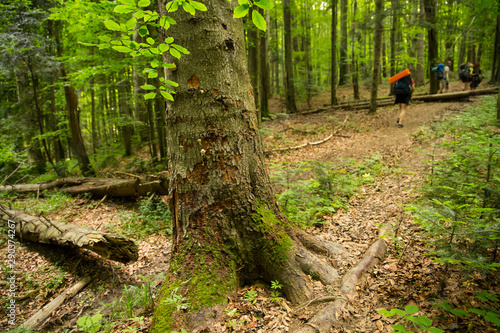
(112, 187)
(41, 230)
(326, 317)
(45, 312)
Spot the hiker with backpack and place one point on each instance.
(403, 89)
(445, 78)
(476, 76)
(464, 75)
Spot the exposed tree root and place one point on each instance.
(326, 317)
(41, 230)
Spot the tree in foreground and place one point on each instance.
(227, 226)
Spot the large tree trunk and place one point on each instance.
(227, 227)
(264, 71)
(289, 84)
(377, 40)
(354, 69)
(39, 229)
(333, 65)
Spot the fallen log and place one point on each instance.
(112, 187)
(387, 101)
(45, 312)
(39, 229)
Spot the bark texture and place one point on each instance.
(41, 230)
(227, 227)
(377, 40)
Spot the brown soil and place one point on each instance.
(406, 276)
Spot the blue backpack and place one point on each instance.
(439, 71)
(402, 86)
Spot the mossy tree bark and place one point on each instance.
(227, 226)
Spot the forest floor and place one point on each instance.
(406, 275)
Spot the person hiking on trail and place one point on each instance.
(464, 75)
(445, 81)
(476, 76)
(403, 89)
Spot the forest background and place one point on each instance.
(71, 106)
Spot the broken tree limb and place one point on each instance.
(307, 144)
(326, 317)
(112, 187)
(45, 312)
(39, 229)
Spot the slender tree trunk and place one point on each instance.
(383, 56)
(377, 40)
(430, 15)
(74, 116)
(264, 70)
(419, 76)
(333, 65)
(343, 43)
(495, 70)
(355, 74)
(140, 111)
(227, 227)
(394, 29)
(289, 87)
(307, 54)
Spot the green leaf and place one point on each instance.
(264, 4)
(172, 83)
(169, 65)
(148, 87)
(154, 50)
(150, 95)
(153, 75)
(104, 38)
(198, 6)
(399, 328)
(111, 25)
(477, 311)
(180, 48)
(435, 330)
(139, 14)
(143, 31)
(131, 23)
(87, 44)
(459, 312)
(411, 309)
(424, 321)
(127, 2)
(172, 6)
(174, 53)
(399, 312)
(171, 20)
(169, 40)
(493, 317)
(122, 49)
(163, 47)
(243, 2)
(241, 11)
(150, 41)
(385, 313)
(104, 46)
(167, 95)
(259, 21)
(144, 3)
(155, 63)
(164, 23)
(188, 8)
(124, 9)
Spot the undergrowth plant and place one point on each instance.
(460, 206)
(313, 189)
(409, 319)
(152, 217)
